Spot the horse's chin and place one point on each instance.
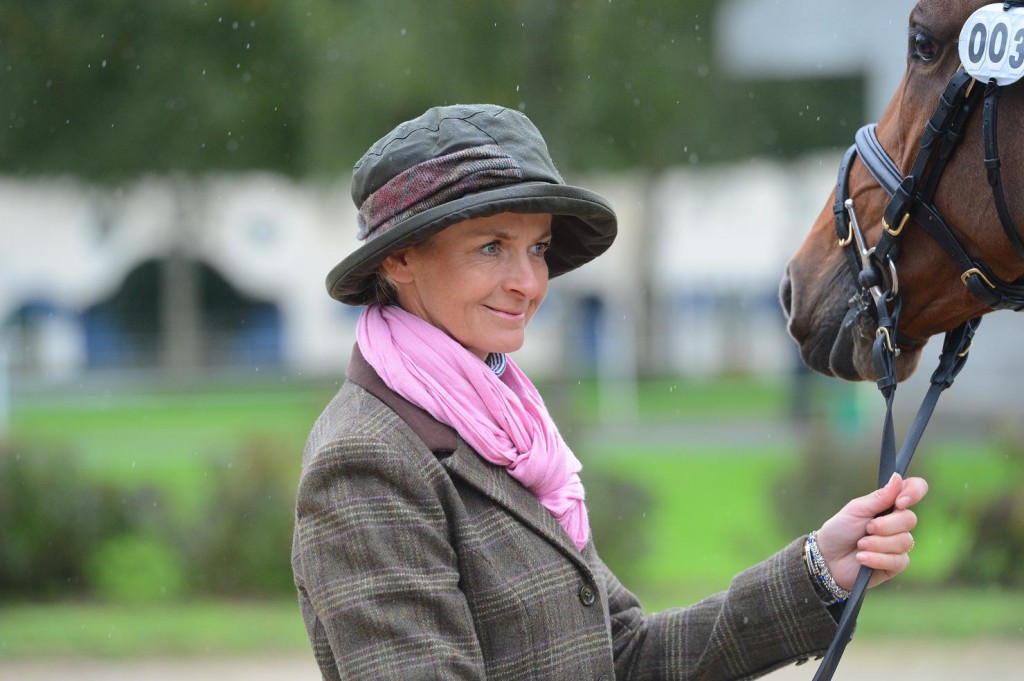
(840, 349)
(836, 334)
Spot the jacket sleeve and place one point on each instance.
(769, 617)
(379, 578)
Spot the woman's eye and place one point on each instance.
(541, 248)
(923, 47)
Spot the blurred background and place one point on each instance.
(174, 188)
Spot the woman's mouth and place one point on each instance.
(507, 314)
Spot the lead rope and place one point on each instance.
(955, 347)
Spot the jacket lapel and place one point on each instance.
(495, 482)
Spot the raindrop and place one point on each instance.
(402, 32)
(103, 64)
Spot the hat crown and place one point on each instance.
(447, 129)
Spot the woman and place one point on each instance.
(441, 530)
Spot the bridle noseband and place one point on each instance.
(875, 270)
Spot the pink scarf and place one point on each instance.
(504, 419)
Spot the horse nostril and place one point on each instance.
(786, 293)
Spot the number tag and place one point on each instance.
(992, 44)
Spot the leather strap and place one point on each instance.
(992, 166)
(955, 347)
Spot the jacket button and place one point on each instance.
(587, 595)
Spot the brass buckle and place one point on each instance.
(849, 235)
(966, 350)
(896, 232)
(973, 271)
(883, 331)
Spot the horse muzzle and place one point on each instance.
(829, 319)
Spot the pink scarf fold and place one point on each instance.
(504, 419)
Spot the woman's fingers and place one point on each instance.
(880, 500)
(898, 543)
(893, 523)
(896, 493)
(913, 490)
(890, 564)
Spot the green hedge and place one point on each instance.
(65, 533)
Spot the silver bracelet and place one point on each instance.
(830, 590)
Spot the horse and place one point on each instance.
(923, 187)
(827, 308)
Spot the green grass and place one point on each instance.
(191, 628)
(666, 399)
(710, 513)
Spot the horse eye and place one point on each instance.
(923, 47)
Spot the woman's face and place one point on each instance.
(480, 281)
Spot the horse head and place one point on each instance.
(821, 296)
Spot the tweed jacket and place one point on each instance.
(416, 559)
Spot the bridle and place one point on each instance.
(875, 271)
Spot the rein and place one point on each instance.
(911, 200)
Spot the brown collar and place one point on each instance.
(437, 436)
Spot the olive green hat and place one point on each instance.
(459, 162)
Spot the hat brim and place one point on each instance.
(583, 227)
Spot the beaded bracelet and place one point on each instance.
(828, 590)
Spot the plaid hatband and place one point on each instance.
(433, 183)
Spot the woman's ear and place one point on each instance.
(398, 266)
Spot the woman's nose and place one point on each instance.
(526, 275)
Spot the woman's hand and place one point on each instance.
(855, 537)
